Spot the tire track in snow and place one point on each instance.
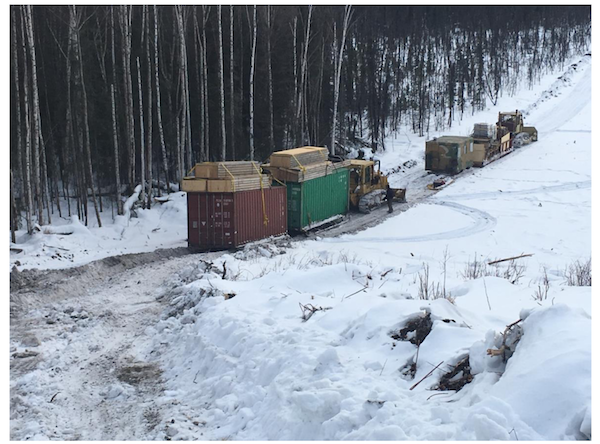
(568, 186)
(482, 221)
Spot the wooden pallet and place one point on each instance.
(297, 157)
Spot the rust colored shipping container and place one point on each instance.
(218, 221)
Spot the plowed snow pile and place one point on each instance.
(403, 331)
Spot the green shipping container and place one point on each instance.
(317, 199)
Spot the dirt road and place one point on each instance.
(80, 366)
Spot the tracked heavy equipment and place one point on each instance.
(452, 154)
(368, 185)
(494, 141)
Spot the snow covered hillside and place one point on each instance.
(402, 331)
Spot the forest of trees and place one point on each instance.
(107, 97)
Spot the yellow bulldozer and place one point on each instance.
(368, 185)
(512, 123)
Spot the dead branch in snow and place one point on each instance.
(509, 259)
(502, 350)
(308, 310)
(426, 376)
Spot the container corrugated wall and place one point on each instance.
(317, 199)
(228, 220)
(250, 218)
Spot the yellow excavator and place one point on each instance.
(368, 185)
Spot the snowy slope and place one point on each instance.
(238, 361)
(266, 374)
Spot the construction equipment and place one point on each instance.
(492, 142)
(368, 185)
(449, 154)
(452, 154)
(512, 122)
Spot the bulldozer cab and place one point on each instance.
(512, 121)
(366, 179)
(365, 175)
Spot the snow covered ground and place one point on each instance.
(311, 340)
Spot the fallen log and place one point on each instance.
(509, 259)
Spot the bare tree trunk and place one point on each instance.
(338, 73)
(295, 33)
(142, 150)
(300, 116)
(35, 136)
(183, 76)
(44, 178)
(270, 79)
(125, 20)
(28, 187)
(222, 88)
(116, 152)
(81, 98)
(19, 135)
(114, 119)
(231, 90)
(149, 109)
(158, 108)
(13, 211)
(69, 143)
(199, 81)
(205, 10)
(252, 63)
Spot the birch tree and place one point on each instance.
(300, 116)
(252, 63)
(231, 89)
(205, 12)
(221, 87)
(338, 73)
(148, 165)
(114, 118)
(81, 100)
(35, 135)
(125, 22)
(165, 165)
(141, 122)
(27, 135)
(270, 79)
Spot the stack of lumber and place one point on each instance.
(299, 157)
(225, 177)
(483, 131)
(225, 170)
(300, 164)
(239, 183)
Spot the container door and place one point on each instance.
(294, 205)
(220, 220)
(193, 219)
